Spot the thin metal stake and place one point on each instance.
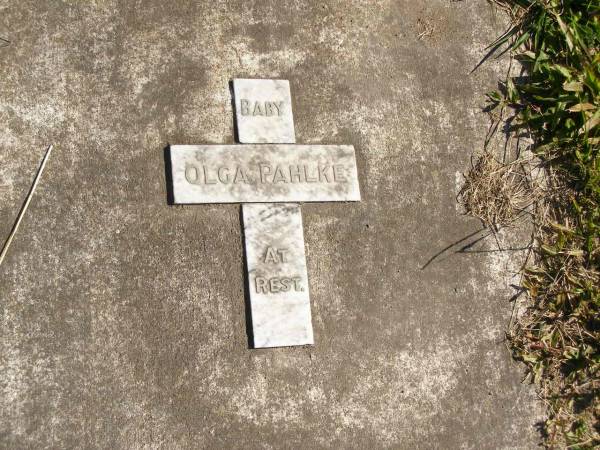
(25, 206)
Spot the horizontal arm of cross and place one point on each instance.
(258, 173)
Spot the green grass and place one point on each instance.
(556, 102)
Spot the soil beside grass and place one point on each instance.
(555, 102)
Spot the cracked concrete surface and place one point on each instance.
(123, 318)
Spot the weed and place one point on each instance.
(556, 103)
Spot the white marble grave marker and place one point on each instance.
(268, 168)
(263, 111)
(277, 275)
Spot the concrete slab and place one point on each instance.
(122, 320)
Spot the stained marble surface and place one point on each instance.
(263, 111)
(263, 173)
(277, 275)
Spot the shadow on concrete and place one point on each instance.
(236, 136)
(471, 239)
(249, 331)
(497, 45)
(168, 174)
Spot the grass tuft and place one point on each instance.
(556, 103)
(498, 193)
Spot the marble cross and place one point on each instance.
(269, 174)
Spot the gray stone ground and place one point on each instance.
(123, 318)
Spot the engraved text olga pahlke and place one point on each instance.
(201, 174)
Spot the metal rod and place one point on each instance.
(25, 206)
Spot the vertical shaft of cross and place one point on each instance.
(273, 234)
(277, 275)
